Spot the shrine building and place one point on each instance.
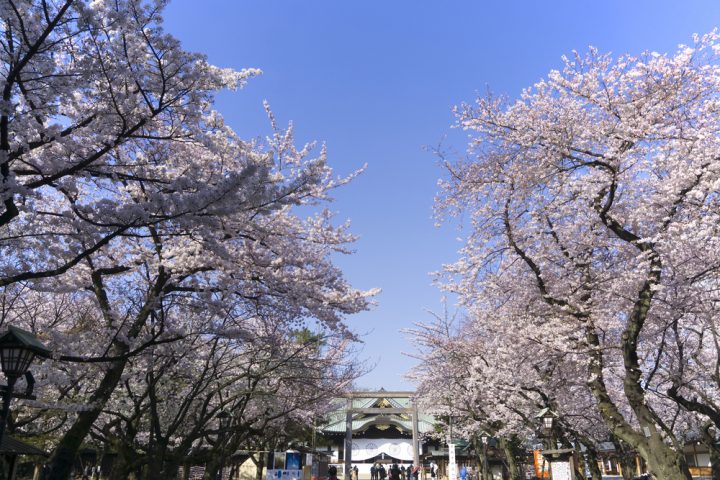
(380, 427)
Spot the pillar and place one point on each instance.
(415, 429)
(348, 439)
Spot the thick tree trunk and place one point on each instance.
(514, 469)
(162, 462)
(63, 457)
(125, 462)
(628, 466)
(121, 469)
(663, 462)
(170, 471)
(484, 465)
(668, 464)
(61, 461)
(212, 467)
(259, 464)
(627, 458)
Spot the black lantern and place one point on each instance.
(484, 438)
(18, 347)
(547, 417)
(548, 422)
(224, 419)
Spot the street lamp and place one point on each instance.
(547, 417)
(18, 348)
(548, 422)
(484, 437)
(224, 421)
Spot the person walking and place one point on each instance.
(394, 472)
(402, 471)
(373, 471)
(332, 473)
(416, 472)
(355, 472)
(463, 472)
(383, 472)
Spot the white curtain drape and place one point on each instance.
(364, 448)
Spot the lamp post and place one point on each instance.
(224, 421)
(18, 348)
(547, 420)
(562, 459)
(548, 423)
(484, 437)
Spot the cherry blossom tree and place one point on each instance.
(496, 385)
(131, 211)
(166, 414)
(594, 220)
(450, 385)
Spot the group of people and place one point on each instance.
(394, 472)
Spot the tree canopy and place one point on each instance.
(160, 256)
(589, 264)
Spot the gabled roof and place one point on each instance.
(14, 446)
(361, 422)
(18, 337)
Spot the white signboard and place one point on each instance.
(452, 467)
(561, 470)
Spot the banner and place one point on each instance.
(292, 460)
(366, 448)
(452, 467)
(542, 466)
(284, 475)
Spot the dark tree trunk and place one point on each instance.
(63, 457)
(627, 458)
(213, 465)
(514, 469)
(662, 460)
(259, 464)
(121, 469)
(170, 471)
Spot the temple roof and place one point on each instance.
(13, 446)
(363, 421)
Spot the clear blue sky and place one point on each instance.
(376, 80)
